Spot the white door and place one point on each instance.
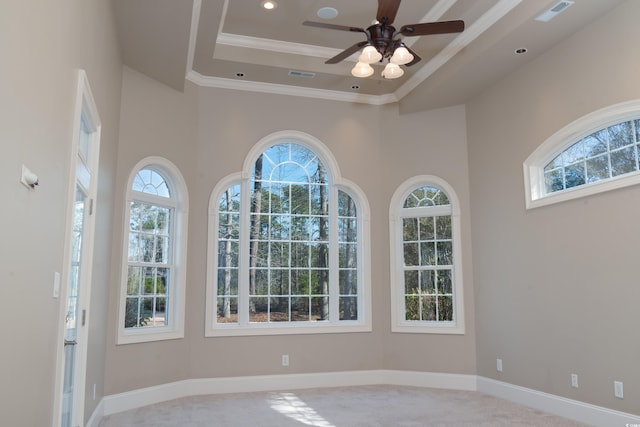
(75, 317)
(78, 261)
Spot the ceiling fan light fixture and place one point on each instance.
(401, 56)
(369, 55)
(392, 71)
(362, 69)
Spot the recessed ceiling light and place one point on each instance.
(269, 4)
(327, 13)
(521, 51)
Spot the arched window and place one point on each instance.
(287, 250)
(598, 152)
(154, 254)
(426, 277)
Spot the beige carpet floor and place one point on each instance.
(366, 406)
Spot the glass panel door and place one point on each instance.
(73, 315)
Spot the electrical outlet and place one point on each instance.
(499, 365)
(618, 390)
(285, 360)
(574, 380)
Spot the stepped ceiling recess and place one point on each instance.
(237, 44)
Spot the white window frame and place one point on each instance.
(178, 250)
(396, 214)
(533, 167)
(363, 324)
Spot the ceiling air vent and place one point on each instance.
(554, 11)
(308, 75)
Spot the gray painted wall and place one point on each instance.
(557, 287)
(207, 133)
(552, 291)
(43, 44)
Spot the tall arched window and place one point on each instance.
(154, 254)
(287, 250)
(598, 152)
(426, 277)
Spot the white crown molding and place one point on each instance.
(332, 95)
(483, 23)
(248, 42)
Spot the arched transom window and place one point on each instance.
(598, 152)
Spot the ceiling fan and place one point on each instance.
(381, 42)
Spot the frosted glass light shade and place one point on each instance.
(401, 56)
(362, 69)
(392, 71)
(369, 55)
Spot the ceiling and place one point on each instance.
(237, 44)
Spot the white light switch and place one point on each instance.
(56, 285)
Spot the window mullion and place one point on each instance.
(334, 288)
(243, 267)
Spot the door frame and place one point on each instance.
(84, 104)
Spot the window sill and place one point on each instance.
(428, 328)
(147, 335)
(285, 329)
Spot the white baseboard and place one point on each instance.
(151, 395)
(97, 415)
(557, 405)
(572, 409)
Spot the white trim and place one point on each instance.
(398, 324)
(485, 22)
(553, 404)
(278, 89)
(476, 29)
(279, 46)
(557, 405)
(207, 386)
(533, 166)
(84, 104)
(97, 415)
(179, 199)
(193, 34)
(364, 322)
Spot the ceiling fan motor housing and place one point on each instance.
(381, 37)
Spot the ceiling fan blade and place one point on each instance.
(428, 28)
(333, 26)
(346, 53)
(415, 59)
(387, 10)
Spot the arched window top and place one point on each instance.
(289, 163)
(158, 179)
(309, 152)
(596, 153)
(152, 182)
(426, 196)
